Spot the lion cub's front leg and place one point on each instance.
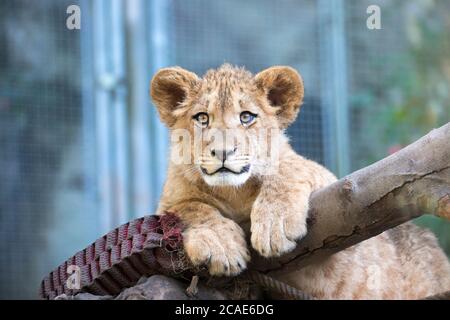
(212, 240)
(278, 216)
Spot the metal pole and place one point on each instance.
(159, 39)
(334, 90)
(88, 111)
(101, 117)
(111, 114)
(120, 113)
(140, 119)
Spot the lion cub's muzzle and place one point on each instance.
(225, 167)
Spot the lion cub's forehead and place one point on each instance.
(227, 78)
(225, 87)
(227, 74)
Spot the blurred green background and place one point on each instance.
(408, 93)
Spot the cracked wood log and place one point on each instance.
(412, 182)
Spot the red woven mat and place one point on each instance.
(142, 247)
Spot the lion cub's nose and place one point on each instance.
(222, 154)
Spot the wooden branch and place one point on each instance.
(403, 186)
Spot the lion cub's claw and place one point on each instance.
(225, 253)
(272, 236)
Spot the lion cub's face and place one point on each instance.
(226, 126)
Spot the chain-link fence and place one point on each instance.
(46, 207)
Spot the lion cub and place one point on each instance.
(232, 164)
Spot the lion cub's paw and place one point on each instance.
(273, 235)
(221, 247)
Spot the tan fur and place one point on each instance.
(405, 262)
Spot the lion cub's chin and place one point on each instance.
(226, 179)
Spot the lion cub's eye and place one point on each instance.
(202, 118)
(247, 118)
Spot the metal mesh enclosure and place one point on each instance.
(398, 75)
(44, 197)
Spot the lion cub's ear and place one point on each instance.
(283, 87)
(169, 88)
